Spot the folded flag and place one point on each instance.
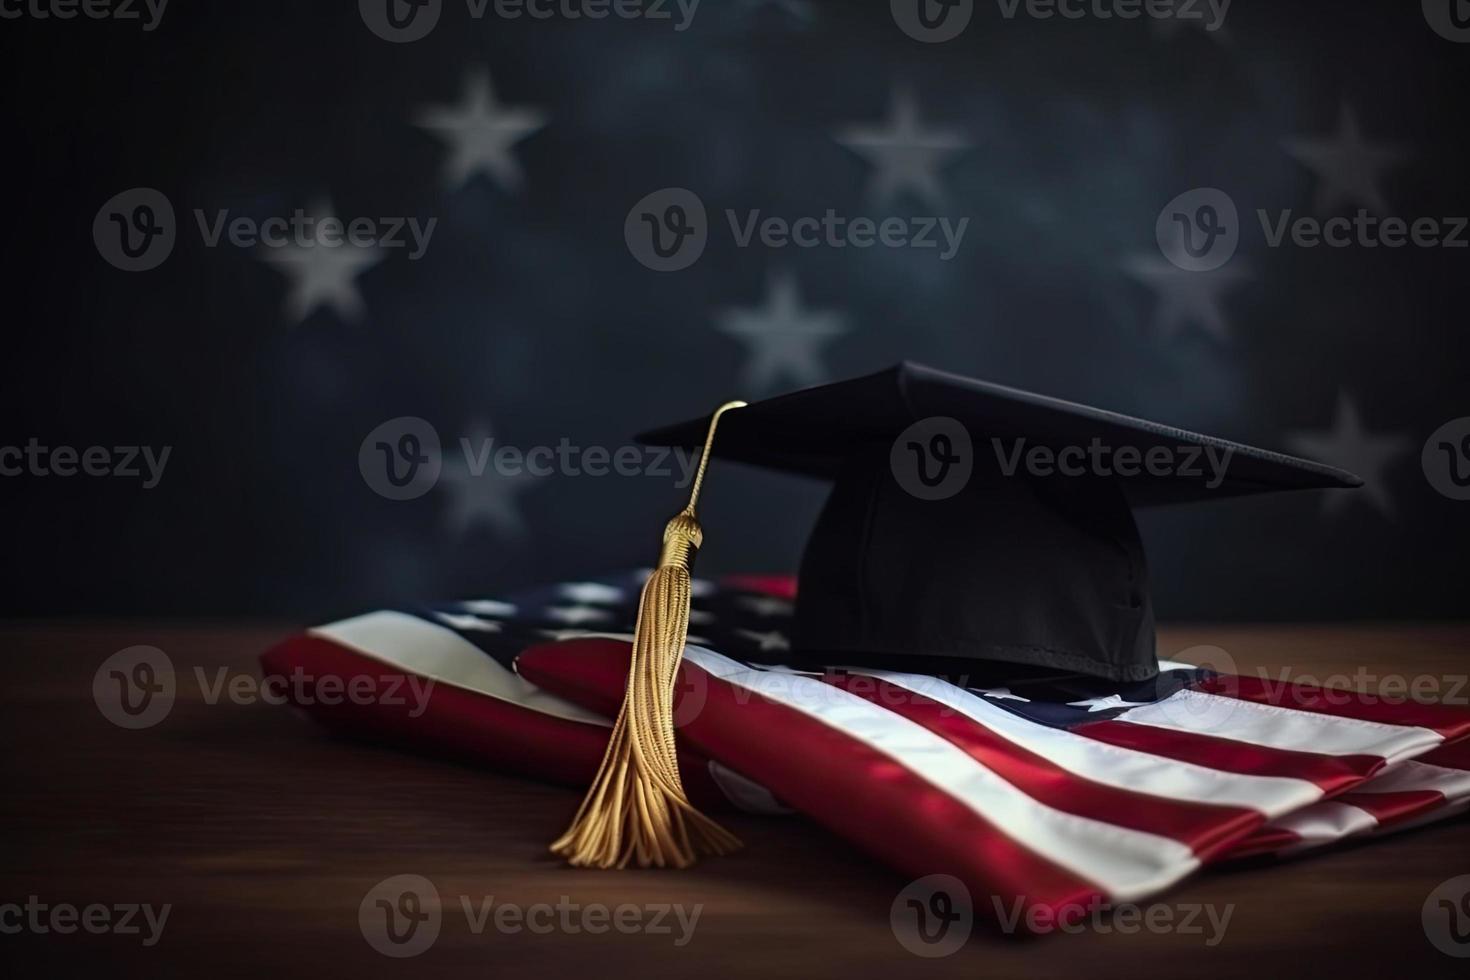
(477, 708)
(1051, 790)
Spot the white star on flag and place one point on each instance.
(1107, 703)
(559, 635)
(766, 641)
(592, 593)
(766, 605)
(906, 156)
(1347, 445)
(576, 615)
(322, 275)
(1003, 694)
(489, 607)
(784, 340)
(480, 133)
(1348, 168)
(468, 623)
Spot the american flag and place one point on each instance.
(1054, 792)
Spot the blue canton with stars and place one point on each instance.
(754, 627)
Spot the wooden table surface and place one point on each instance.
(264, 834)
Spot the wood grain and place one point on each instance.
(264, 834)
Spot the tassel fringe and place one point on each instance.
(637, 811)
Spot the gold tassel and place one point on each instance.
(636, 809)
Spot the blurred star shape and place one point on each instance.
(480, 133)
(322, 275)
(1347, 445)
(1348, 167)
(1185, 297)
(907, 157)
(784, 339)
(479, 495)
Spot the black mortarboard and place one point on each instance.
(936, 556)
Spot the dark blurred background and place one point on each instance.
(529, 317)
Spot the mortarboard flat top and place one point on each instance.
(814, 431)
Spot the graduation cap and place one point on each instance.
(972, 522)
(969, 524)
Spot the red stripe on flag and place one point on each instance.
(777, 586)
(1333, 773)
(456, 723)
(856, 791)
(1268, 840)
(1388, 808)
(1206, 828)
(1455, 755)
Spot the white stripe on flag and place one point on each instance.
(1323, 823)
(1116, 766)
(747, 794)
(416, 646)
(1124, 863)
(1412, 775)
(1165, 665)
(1332, 820)
(1274, 727)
